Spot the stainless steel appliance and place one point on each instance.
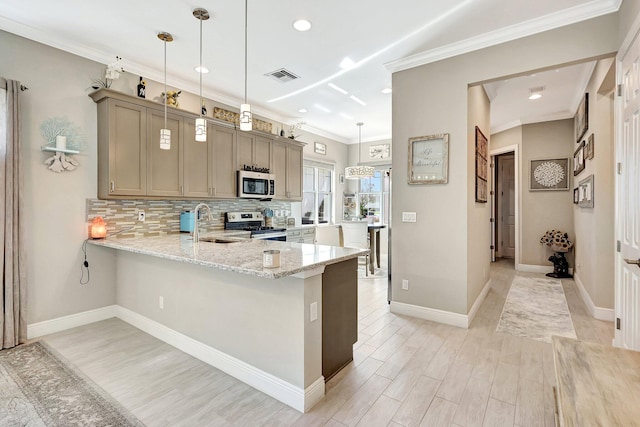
(256, 185)
(253, 221)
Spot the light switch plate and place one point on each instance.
(408, 217)
(313, 311)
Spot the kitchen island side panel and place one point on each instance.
(263, 322)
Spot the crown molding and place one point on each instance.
(552, 21)
(581, 86)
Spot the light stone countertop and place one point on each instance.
(598, 385)
(241, 256)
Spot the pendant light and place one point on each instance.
(201, 122)
(165, 134)
(246, 119)
(359, 171)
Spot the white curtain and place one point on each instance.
(13, 325)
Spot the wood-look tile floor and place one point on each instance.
(406, 372)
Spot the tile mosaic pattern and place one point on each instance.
(163, 216)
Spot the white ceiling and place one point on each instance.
(379, 35)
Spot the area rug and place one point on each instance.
(536, 308)
(39, 388)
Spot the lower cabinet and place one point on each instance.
(302, 235)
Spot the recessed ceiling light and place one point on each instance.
(201, 69)
(536, 92)
(358, 100)
(321, 108)
(347, 63)
(536, 95)
(386, 90)
(302, 25)
(338, 88)
(302, 110)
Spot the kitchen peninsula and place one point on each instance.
(281, 330)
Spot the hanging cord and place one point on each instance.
(85, 264)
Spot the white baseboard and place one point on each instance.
(478, 302)
(277, 388)
(426, 313)
(599, 313)
(47, 327)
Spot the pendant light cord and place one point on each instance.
(359, 141)
(201, 70)
(165, 83)
(245, 50)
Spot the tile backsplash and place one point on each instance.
(163, 216)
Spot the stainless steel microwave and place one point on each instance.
(256, 185)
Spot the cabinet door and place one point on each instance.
(224, 162)
(262, 152)
(244, 149)
(126, 139)
(164, 167)
(198, 157)
(279, 168)
(294, 172)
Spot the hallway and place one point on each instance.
(406, 371)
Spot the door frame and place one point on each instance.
(516, 171)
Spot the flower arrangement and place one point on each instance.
(557, 240)
(112, 73)
(293, 128)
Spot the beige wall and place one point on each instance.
(55, 202)
(544, 210)
(594, 228)
(433, 99)
(478, 252)
(629, 14)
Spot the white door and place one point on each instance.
(627, 307)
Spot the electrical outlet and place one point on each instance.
(161, 302)
(141, 216)
(405, 284)
(313, 311)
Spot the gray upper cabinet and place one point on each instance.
(253, 150)
(287, 166)
(131, 163)
(122, 149)
(164, 167)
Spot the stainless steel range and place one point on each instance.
(253, 221)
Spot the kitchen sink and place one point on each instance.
(222, 240)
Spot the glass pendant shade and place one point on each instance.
(165, 139)
(201, 130)
(358, 172)
(246, 119)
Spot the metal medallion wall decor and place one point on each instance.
(482, 149)
(549, 174)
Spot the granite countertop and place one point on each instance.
(241, 255)
(598, 385)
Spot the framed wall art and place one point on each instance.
(482, 148)
(320, 148)
(578, 160)
(576, 195)
(549, 174)
(429, 159)
(589, 152)
(379, 151)
(581, 119)
(585, 189)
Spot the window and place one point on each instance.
(374, 197)
(317, 194)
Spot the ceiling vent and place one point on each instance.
(282, 75)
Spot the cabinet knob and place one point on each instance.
(213, 191)
(112, 186)
(182, 190)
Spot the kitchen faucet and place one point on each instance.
(196, 233)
